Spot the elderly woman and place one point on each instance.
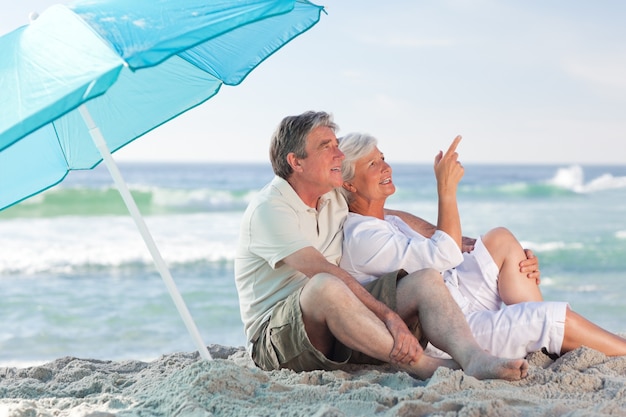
(503, 307)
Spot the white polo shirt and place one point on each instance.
(275, 225)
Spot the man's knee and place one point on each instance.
(420, 284)
(323, 286)
(427, 275)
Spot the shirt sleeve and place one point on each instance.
(276, 232)
(377, 247)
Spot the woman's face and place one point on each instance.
(372, 177)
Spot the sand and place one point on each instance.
(581, 383)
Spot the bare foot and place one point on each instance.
(426, 366)
(491, 367)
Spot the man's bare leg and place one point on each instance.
(331, 310)
(423, 294)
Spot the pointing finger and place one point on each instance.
(453, 146)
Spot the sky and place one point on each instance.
(523, 81)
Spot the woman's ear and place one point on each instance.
(348, 186)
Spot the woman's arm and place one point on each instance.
(449, 171)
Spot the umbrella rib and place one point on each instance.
(131, 205)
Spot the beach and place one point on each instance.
(583, 382)
(89, 328)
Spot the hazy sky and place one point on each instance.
(523, 81)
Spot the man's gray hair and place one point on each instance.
(354, 146)
(290, 136)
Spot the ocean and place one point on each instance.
(77, 280)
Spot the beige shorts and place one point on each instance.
(283, 341)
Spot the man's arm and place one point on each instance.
(426, 228)
(530, 265)
(310, 262)
(416, 223)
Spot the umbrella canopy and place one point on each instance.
(153, 59)
(83, 81)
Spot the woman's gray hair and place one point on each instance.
(290, 136)
(354, 146)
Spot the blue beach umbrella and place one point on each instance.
(84, 80)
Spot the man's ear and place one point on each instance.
(294, 162)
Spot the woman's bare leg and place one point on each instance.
(331, 310)
(514, 286)
(423, 295)
(579, 331)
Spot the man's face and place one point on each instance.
(322, 166)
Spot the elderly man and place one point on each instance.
(301, 311)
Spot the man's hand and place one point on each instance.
(406, 348)
(467, 244)
(530, 266)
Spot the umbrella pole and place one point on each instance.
(100, 143)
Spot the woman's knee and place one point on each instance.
(498, 235)
(502, 244)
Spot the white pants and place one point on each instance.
(505, 331)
